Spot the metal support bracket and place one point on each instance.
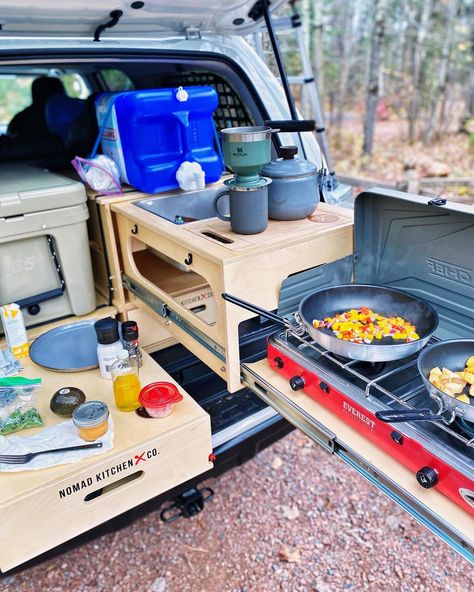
(164, 310)
(285, 407)
(192, 33)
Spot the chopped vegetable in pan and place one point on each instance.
(453, 383)
(363, 325)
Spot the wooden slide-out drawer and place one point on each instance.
(42, 509)
(251, 267)
(430, 506)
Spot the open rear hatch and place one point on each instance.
(151, 19)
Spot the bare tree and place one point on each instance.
(376, 52)
(419, 25)
(442, 71)
(317, 46)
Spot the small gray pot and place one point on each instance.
(294, 192)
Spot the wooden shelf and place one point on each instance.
(34, 515)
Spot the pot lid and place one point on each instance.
(288, 166)
(159, 394)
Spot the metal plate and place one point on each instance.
(70, 348)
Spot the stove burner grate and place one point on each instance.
(373, 379)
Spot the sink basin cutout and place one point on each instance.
(185, 207)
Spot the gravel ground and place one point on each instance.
(292, 519)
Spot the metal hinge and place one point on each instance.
(192, 33)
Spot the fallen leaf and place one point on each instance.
(290, 512)
(277, 463)
(289, 554)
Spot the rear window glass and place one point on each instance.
(117, 80)
(75, 86)
(15, 95)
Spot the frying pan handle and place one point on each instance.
(400, 415)
(257, 310)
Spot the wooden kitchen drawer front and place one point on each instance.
(42, 509)
(254, 273)
(320, 424)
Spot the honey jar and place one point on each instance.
(91, 420)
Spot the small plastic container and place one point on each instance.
(159, 398)
(91, 420)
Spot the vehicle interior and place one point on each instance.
(66, 126)
(62, 119)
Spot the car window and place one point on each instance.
(15, 95)
(75, 86)
(116, 80)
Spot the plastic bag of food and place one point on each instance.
(100, 173)
(18, 404)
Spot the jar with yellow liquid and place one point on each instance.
(126, 382)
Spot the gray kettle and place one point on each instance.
(294, 191)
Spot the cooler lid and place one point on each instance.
(26, 189)
(408, 242)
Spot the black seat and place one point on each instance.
(30, 123)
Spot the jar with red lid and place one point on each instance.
(159, 398)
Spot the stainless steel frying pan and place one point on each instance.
(330, 301)
(451, 354)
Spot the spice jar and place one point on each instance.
(125, 382)
(159, 398)
(91, 420)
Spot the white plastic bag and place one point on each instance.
(100, 173)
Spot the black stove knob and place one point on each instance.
(427, 477)
(278, 362)
(297, 383)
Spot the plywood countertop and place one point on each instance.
(279, 234)
(129, 429)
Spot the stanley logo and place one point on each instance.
(239, 152)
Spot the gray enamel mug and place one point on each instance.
(248, 207)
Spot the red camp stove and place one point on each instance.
(440, 453)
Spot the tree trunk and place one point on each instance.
(317, 47)
(418, 32)
(432, 122)
(306, 26)
(345, 44)
(470, 85)
(376, 50)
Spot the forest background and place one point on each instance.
(396, 81)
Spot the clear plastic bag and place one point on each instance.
(100, 173)
(18, 404)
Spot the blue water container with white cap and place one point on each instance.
(149, 133)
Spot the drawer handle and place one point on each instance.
(189, 259)
(104, 491)
(134, 229)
